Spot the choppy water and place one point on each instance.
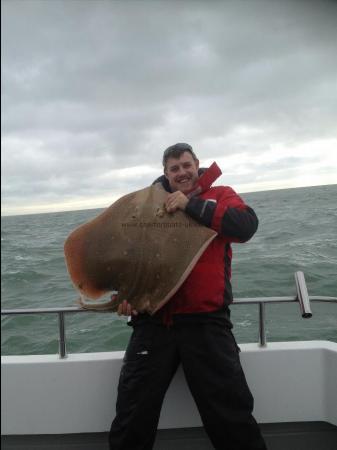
(298, 231)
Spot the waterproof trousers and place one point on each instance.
(210, 361)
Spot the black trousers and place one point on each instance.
(210, 360)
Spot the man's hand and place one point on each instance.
(125, 309)
(176, 200)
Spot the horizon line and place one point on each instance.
(104, 207)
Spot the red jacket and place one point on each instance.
(208, 287)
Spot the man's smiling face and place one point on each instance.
(182, 173)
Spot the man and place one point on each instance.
(193, 328)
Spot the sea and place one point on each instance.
(297, 232)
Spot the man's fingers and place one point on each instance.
(171, 205)
(121, 310)
(171, 209)
(125, 309)
(176, 200)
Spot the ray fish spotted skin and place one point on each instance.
(137, 248)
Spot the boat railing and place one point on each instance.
(302, 297)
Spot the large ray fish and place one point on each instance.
(136, 248)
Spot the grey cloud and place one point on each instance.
(103, 84)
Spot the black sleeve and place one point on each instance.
(239, 223)
(201, 210)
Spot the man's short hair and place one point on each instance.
(176, 150)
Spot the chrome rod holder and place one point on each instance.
(302, 295)
(62, 339)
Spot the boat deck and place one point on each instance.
(290, 436)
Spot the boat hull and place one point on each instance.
(43, 394)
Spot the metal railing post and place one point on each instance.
(62, 337)
(262, 328)
(302, 295)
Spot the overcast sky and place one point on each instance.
(93, 91)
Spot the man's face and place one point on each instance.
(182, 173)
